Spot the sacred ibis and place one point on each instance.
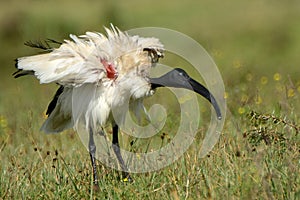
(105, 70)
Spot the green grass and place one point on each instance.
(256, 46)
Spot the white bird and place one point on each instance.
(100, 73)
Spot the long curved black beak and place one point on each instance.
(178, 78)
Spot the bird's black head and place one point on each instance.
(178, 78)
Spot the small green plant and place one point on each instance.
(269, 129)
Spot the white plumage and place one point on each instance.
(79, 66)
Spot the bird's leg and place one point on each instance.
(92, 150)
(116, 148)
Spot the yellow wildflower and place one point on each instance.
(241, 110)
(291, 92)
(264, 80)
(225, 95)
(258, 100)
(277, 77)
(3, 122)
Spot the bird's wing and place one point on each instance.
(74, 63)
(85, 59)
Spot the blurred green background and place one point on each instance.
(260, 34)
(255, 44)
(262, 37)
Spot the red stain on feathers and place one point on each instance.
(111, 72)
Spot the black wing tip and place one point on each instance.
(49, 40)
(39, 44)
(21, 72)
(15, 74)
(16, 62)
(53, 102)
(42, 44)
